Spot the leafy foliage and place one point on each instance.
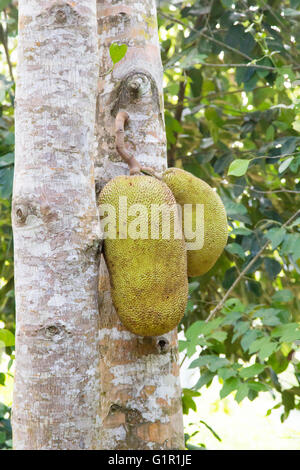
(232, 88)
(5, 427)
(232, 93)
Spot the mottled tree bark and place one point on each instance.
(140, 389)
(56, 229)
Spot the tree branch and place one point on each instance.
(221, 93)
(254, 66)
(206, 36)
(270, 191)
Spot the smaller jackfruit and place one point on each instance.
(148, 273)
(188, 189)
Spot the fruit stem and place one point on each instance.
(121, 119)
(134, 167)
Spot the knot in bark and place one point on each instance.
(54, 332)
(139, 84)
(162, 345)
(21, 213)
(114, 408)
(61, 16)
(51, 330)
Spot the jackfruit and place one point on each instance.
(188, 189)
(147, 266)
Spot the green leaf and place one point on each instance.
(182, 345)
(235, 305)
(205, 378)
(288, 401)
(173, 127)
(193, 447)
(6, 160)
(270, 133)
(268, 316)
(290, 12)
(227, 3)
(3, 409)
(117, 52)
(284, 295)
(264, 347)
(187, 400)
(193, 286)
(241, 231)
(7, 337)
(258, 344)
(278, 363)
(226, 372)
(267, 350)
(272, 266)
(194, 57)
(257, 386)
(211, 430)
(235, 249)
(238, 38)
(296, 250)
(295, 223)
(287, 333)
(283, 126)
(251, 371)
(285, 164)
(212, 362)
(238, 167)
(242, 392)
(228, 279)
(291, 245)
(200, 327)
(254, 287)
(229, 386)
(240, 328)
(8, 443)
(233, 208)
(218, 336)
(6, 181)
(189, 307)
(276, 235)
(197, 333)
(4, 4)
(231, 317)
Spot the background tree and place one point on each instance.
(231, 72)
(56, 228)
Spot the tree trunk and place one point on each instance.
(56, 228)
(140, 389)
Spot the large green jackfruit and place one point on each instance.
(188, 189)
(148, 275)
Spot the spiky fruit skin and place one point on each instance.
(188, 189)
(148, 276)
